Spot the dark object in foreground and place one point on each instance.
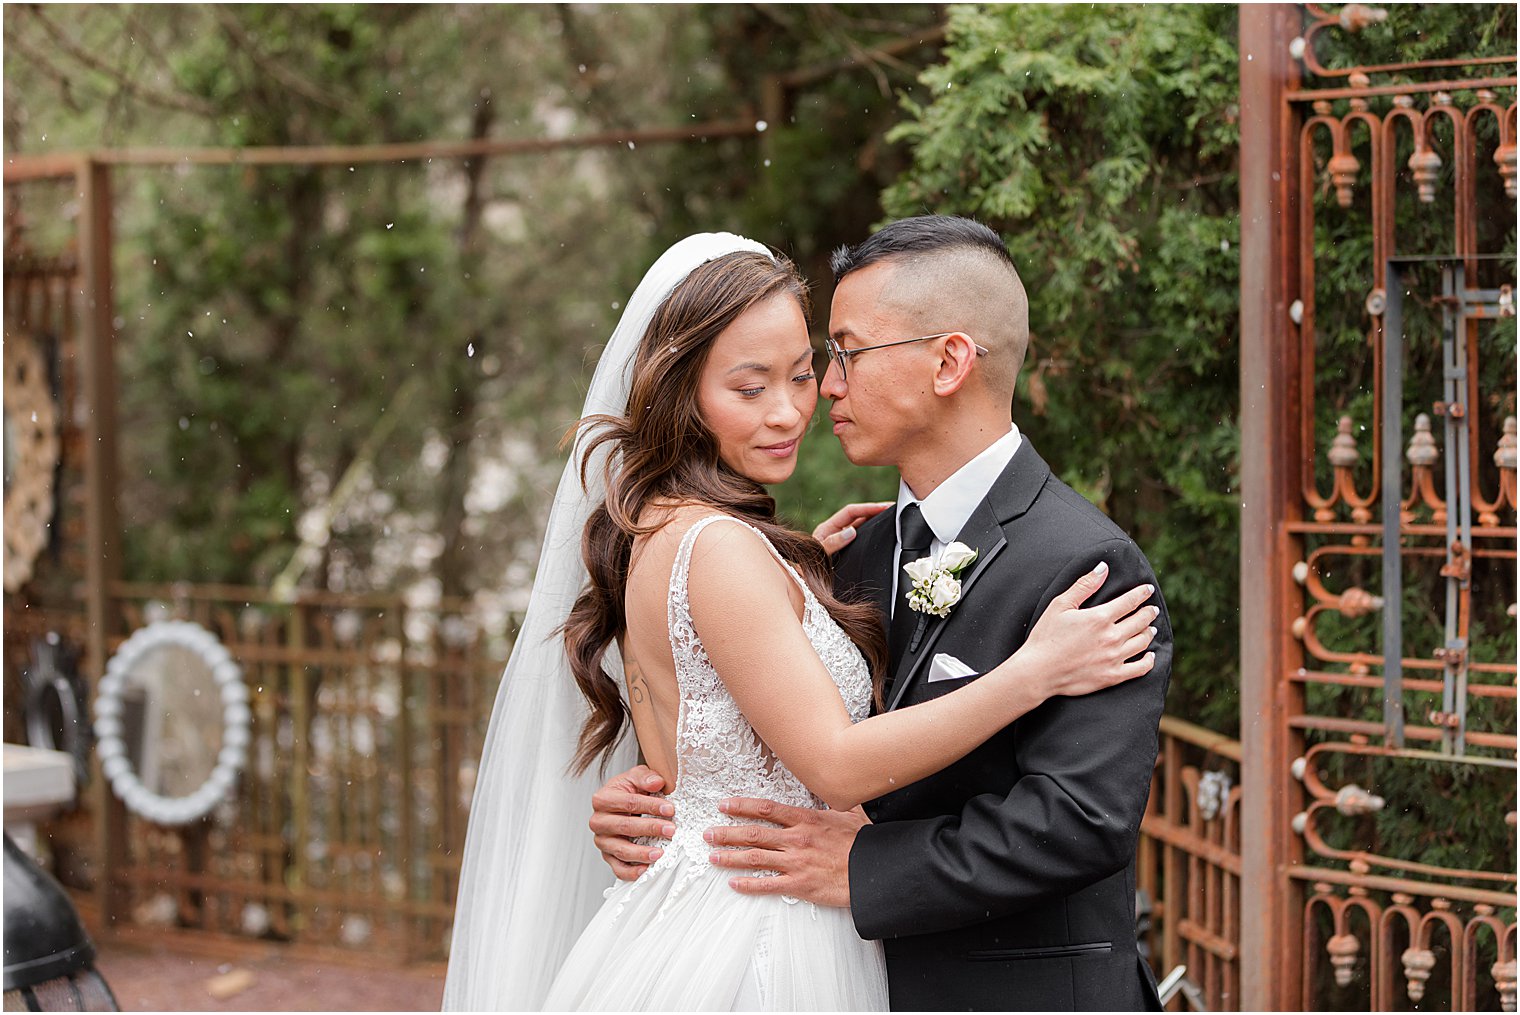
(49, 959)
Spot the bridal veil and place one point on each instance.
(531, 877)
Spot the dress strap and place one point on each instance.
(680, 573)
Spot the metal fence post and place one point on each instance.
(102, 527)
(1270, 967)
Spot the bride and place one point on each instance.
(669, 596)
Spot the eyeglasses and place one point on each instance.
(841, 356)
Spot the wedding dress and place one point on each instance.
(679, 938)
(531, 879)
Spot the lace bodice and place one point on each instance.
(718, 753)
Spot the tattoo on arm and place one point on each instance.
(636, 683)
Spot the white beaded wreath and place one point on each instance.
(237, 722)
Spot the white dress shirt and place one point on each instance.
(951, 504)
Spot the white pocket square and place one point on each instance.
(945, 666)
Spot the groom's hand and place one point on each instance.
(622, 811)
(810, 851)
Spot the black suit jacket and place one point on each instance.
(1007, 880)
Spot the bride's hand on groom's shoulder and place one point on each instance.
(1078, 650)
(838, 531)
(621, 811)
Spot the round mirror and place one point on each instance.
(173, 722)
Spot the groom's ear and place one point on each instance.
(957, 358)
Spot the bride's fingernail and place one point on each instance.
(1102, 567)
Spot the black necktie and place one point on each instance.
(916, 540)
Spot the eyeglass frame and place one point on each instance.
(838, 354)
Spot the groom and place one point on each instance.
(1006, 881)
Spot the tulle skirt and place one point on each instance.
(680, 939)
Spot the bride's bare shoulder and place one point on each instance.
(732, 549)
(668, 522)
(729, 562)
(671, 520)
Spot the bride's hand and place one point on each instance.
(839, 530)
(1078, 651)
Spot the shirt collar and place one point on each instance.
(951, 504)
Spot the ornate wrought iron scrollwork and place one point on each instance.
(1398, 503)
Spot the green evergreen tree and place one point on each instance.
(1101, 142)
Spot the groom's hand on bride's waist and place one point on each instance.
(810, 851)
(622, 811)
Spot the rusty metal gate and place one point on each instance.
(1378, 520)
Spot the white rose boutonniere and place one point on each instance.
(936, 580)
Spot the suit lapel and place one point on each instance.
(1012, 494)
(983, 534)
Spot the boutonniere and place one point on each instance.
(936, 579)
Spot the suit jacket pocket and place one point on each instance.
(925, 691)
(1045, 952)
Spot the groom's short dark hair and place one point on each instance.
(921, 234)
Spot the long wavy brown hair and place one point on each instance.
(662, 451)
